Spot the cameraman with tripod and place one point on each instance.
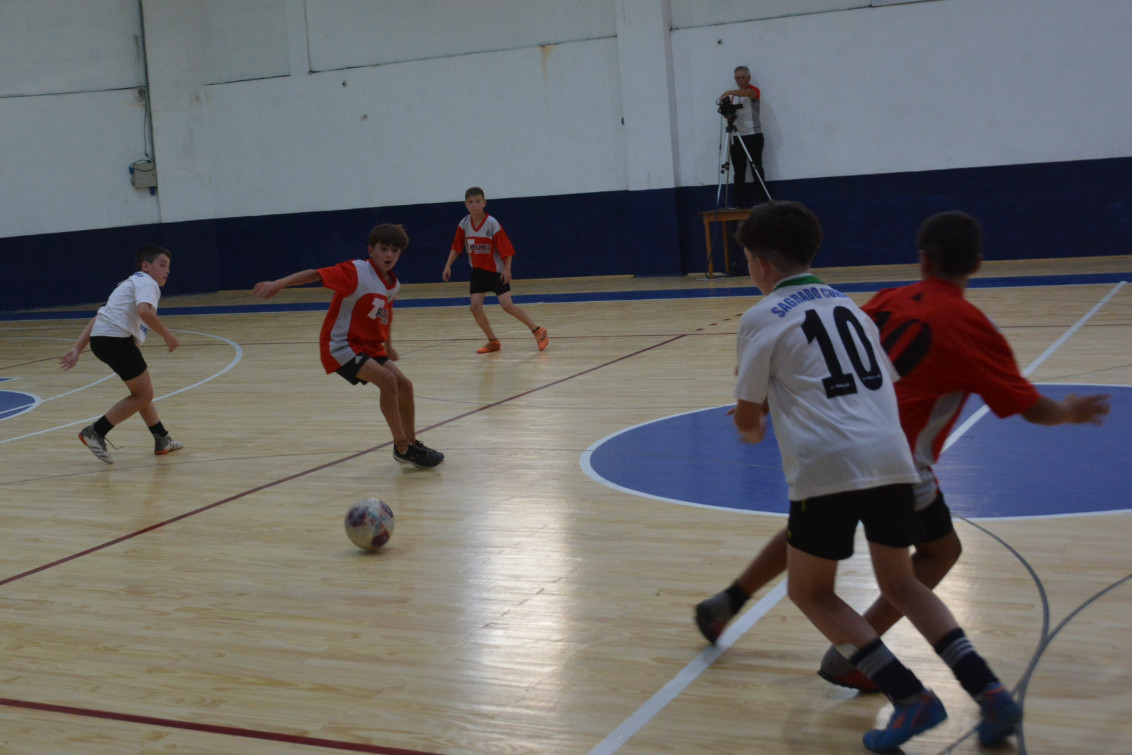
(740, 106)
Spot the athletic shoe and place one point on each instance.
(490, 346)
(713, 614)
(419, 455)
(1000, 715)
(836, 669)
(542, 338)
(907, 721)
(96, 443)
(426, 449)
(165, 444)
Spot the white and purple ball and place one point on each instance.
(369, 523)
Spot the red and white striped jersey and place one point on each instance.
(360, 314)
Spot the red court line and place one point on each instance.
(234, 731)
(252, 733)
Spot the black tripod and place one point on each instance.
(725, 147)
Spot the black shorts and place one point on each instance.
(349, 371)
(120, 354)
(485, 281)
(936, 520)
(825, 526)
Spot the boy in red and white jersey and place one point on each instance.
(490, 254)
(355, 340)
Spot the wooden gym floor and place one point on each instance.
(209, 602)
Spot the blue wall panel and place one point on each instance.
(1067, 209)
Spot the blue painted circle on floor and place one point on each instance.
(15, 402)
(997, 468)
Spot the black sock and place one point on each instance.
(534, 329)
(158, 430)
(895, 679)
(737, 596)
(967, 665)
(103, 426)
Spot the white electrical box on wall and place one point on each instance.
(143, 174)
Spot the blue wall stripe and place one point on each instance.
(1067, 209)
(676, 293)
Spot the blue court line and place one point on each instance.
(590, 296)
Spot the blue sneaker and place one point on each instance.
(1000, 715)
(907, 721)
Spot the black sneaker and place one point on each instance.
(419, 455)
(712, 616)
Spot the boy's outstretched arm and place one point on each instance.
(71, 358)
(1073, 409)
(268, 289)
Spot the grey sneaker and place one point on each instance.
(165, 445)
(836, 669)
(712, 616)
(419, 455)
(96, 443)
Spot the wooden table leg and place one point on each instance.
(707, 238)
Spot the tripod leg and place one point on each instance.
(754, 169)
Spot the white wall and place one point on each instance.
(274, 106)
(959, 83)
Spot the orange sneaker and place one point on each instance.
(542, 338)
(490, 346)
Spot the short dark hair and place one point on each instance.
(787, 233)
(148, 253)
(953, 241)
(474, 192)
(390, 234)
(740, 68)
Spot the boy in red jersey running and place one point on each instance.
(490, 253)
(944, 348)
(355, 340)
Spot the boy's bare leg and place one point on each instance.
(481, 316)
(768, 564)
(810, 585)
(930, 563)
(141, 396)
(516, 311)
(908, 595)
(149, 414)
(406, 402)
(386, 381)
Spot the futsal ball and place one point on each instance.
(369, 523)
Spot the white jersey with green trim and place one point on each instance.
(809, 351)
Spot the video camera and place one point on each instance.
(727, 108)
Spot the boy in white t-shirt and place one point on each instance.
(114, 334)
(809, 357)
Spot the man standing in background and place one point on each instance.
(746, 98)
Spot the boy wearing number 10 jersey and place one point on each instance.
(813, 360)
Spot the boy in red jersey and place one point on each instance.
(355, 340)
(489, 253)
(944, 348)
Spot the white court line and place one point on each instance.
(701, 662)
(235, 360)
(689, 673)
